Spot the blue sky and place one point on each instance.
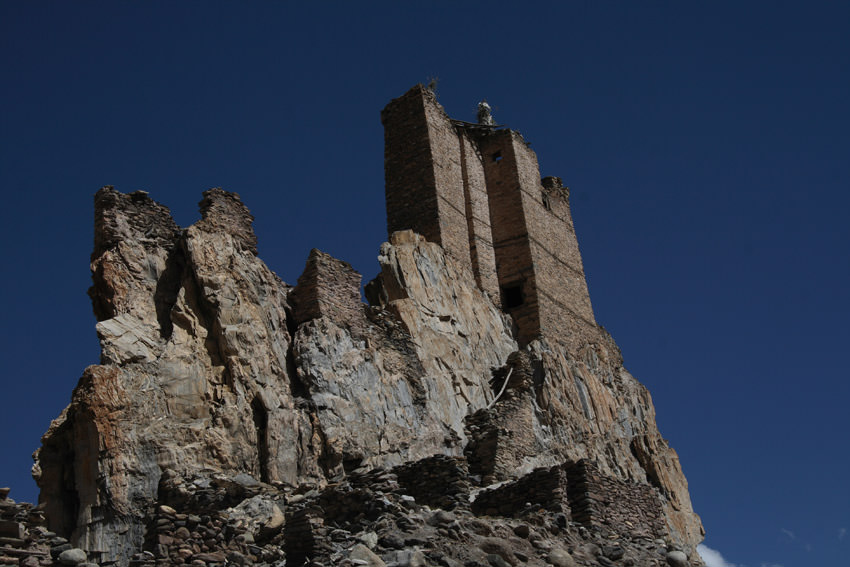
(706, 146)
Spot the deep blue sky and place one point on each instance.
(706, 145)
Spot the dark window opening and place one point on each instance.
(546, 204)
(512, 296)
(497, 157)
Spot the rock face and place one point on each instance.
(234, 418)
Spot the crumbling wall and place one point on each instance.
(439, 481)
(626, 508)
(328, 288)
(545, 487)
(501, 436)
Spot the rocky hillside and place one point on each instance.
(235, 419)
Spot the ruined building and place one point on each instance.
(234, 419)
(476, 190)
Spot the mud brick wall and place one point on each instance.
(481, 251)
(424, 181)
(477, 192)
(24, 539)
(435, 183)
(535, 243)
(543, 487)
(328, 287)
(514, 264)
(627, 508)
(439, 481)
(565, 308)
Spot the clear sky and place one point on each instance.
(707, 146)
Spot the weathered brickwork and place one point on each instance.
(477, 191)
(330, 288)
(424, 182)
(435, 183)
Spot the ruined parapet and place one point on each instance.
(328, 288)
(223, 211)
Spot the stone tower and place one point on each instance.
(476, 190)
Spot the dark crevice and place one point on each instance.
(296, 386)
(167, 290)
(58, 486)
(261, 424)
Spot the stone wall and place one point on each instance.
(536, 247)
(541, 488)
(424, 181)
(626, 508)
(481, 251)
(328, 288)
(501, 437)
(439, 481)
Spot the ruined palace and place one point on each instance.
(472, 414)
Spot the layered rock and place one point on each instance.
(212, 368)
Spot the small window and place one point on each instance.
(512, 296)
(497, 157)
(546, 204)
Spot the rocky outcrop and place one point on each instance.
(232, 398)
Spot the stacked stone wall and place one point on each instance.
(542, 488)
(627, 508)
(305, 537)
(439, 481)
(501, 437)
(328, 288)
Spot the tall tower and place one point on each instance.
(541, 276)
(435, 183)
(476, 190)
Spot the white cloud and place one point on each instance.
(842, 532)
(787, 532)
(712, 557)
(771, 565)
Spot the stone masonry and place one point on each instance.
(476, 190)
